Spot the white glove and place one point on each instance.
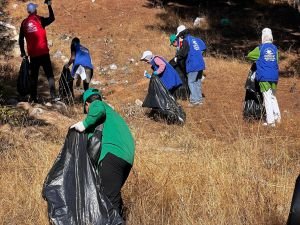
(78, 126)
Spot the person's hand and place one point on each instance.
(23, 55)
(155, 73)
(48, 2)
(146, 74)
(78, 126)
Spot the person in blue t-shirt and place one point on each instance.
(191, 52)
(82, 63)
(267, 75)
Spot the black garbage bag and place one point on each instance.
(163, 103)
(182, 92)
(94, 145)
(66, 84)
(253, 104)
(23, 83)
(72, 188)
(294, 216)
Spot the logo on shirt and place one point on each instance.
(195, 45)
(31, 27)
(269, 55)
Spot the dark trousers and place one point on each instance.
(35, 64)
(113, 173)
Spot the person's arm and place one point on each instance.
(48, 20)
(95, 113)
(21, 42)
(161, 66)
(72, 57)
(183, 51)
(254, 54)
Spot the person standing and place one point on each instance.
(161, 68)
(191, 52)
(183, 91)
(267, 75)
(82, 63)
(117, 147)
(33, 30)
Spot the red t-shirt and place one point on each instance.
(35, 35)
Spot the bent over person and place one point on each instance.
(82, 63)
(267, 74)
(117, 147)
(33, 29)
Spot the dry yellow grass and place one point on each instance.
(217, 169)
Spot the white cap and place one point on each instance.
(266, 36)
(180, 29)
(31, 7)
(147, 55)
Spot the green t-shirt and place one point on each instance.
(116, 136)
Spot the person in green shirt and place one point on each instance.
(267, 75)
(117, 147)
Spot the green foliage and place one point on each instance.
(12, 116)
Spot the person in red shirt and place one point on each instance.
(33, 30)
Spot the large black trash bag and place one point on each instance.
(72, 188)
(253, 104)
(294, 216)
(23, 83)
(66, 84)
(182, 92)
(163, 103)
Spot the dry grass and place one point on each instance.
(217, 169)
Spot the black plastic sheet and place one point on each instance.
(72, 188)
(23, 83)
(163, 103)
(183, 91)
(294, 216)
(253, 104)
(66, 84)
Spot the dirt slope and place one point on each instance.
(217, 169)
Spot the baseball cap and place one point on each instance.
(146, 55)
(31, 7)
(180, 29)
(172, 38)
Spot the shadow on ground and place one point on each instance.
(234, 27)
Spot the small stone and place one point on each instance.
(131, 60)
(50, 43)
(113, 67)
(48, 104)
(24, 105)
(95, 82)
(138, 102)
(36, 112)
(61, 107)
(112, 81)
(57, 54)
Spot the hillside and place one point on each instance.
(216, 169)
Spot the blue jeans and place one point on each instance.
(195, 86)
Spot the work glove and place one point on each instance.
(146, 74)
(78, 126)
(155, 73)
(48, 2)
